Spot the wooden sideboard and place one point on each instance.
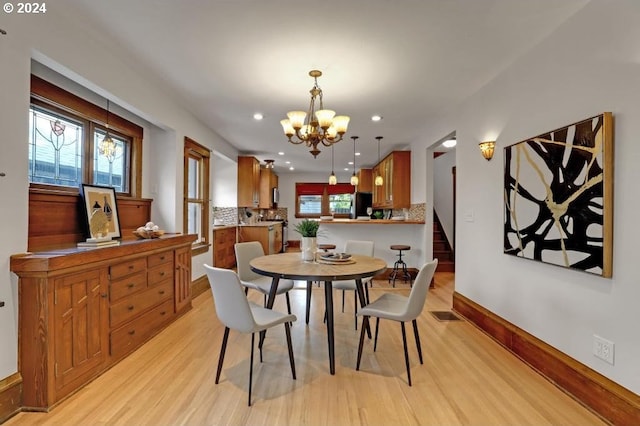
(83, 310)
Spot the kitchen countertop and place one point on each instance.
(220, 227)
(263, 223)
(372, 222)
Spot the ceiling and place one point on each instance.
(406, 60)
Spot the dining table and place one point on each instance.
(324, 268)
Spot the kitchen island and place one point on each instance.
(384, 233)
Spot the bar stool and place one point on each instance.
(400, 264)
(326, 247)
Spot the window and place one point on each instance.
(65, 133)
(319, 199)
(196, 193)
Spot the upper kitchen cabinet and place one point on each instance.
(395, 192)
(268, 189)
(248, 182)
(365, 181)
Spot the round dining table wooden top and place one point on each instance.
(291, 266)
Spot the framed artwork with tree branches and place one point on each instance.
(558, 197)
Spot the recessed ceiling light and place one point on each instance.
(350, 162)
(281, 153)
(346, 169)
(291, 168)
(258, 116)
(357, 153)
(287, 162)
(376, 117)
(449, 143)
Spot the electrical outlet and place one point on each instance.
(603, 349)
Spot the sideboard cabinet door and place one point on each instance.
(182, 278)
(81, 326)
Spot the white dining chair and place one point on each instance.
(364, 248)
(399, 308)
(245, 253)
(236, 312)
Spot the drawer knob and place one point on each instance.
(130, 307)
(161, 257)
(130, 267)
(162, 274)
(132, 332)
(161, 292)
(131, 285)
(163, 313)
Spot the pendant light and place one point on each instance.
(333, 180)
(354, 178)
(378, 181)
(107, 147)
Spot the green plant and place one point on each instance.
(378, 214)
(307, 228)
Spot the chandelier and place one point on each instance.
(317, 125)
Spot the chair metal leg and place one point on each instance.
(223, 348)
(342, 300)
(365, 322)
(287, 331)
(375, 340)
(415, 333)
(406, 352)
(251, 369)
(288, 303)
(355, 307)
(309, 284)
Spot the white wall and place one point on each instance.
(588, 66)
(62, 46)
(224, 174)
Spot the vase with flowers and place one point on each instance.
(308, 230)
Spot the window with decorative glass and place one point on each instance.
(71, 142)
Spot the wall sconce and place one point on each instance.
(487, 148)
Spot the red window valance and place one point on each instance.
(318, 188)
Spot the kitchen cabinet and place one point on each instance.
(248, 182)
(365, 181)
(269, 234)
(224, 255)
(395, 192)
(83, 310)
(268, 182)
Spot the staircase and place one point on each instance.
(441, 248)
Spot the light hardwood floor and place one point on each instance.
(466, 379)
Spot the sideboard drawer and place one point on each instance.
(128, 285)
(131, 335)
(159, 258)
(127, 309)
(127, 268)
(159, 274)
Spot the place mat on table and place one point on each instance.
(341, 262)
